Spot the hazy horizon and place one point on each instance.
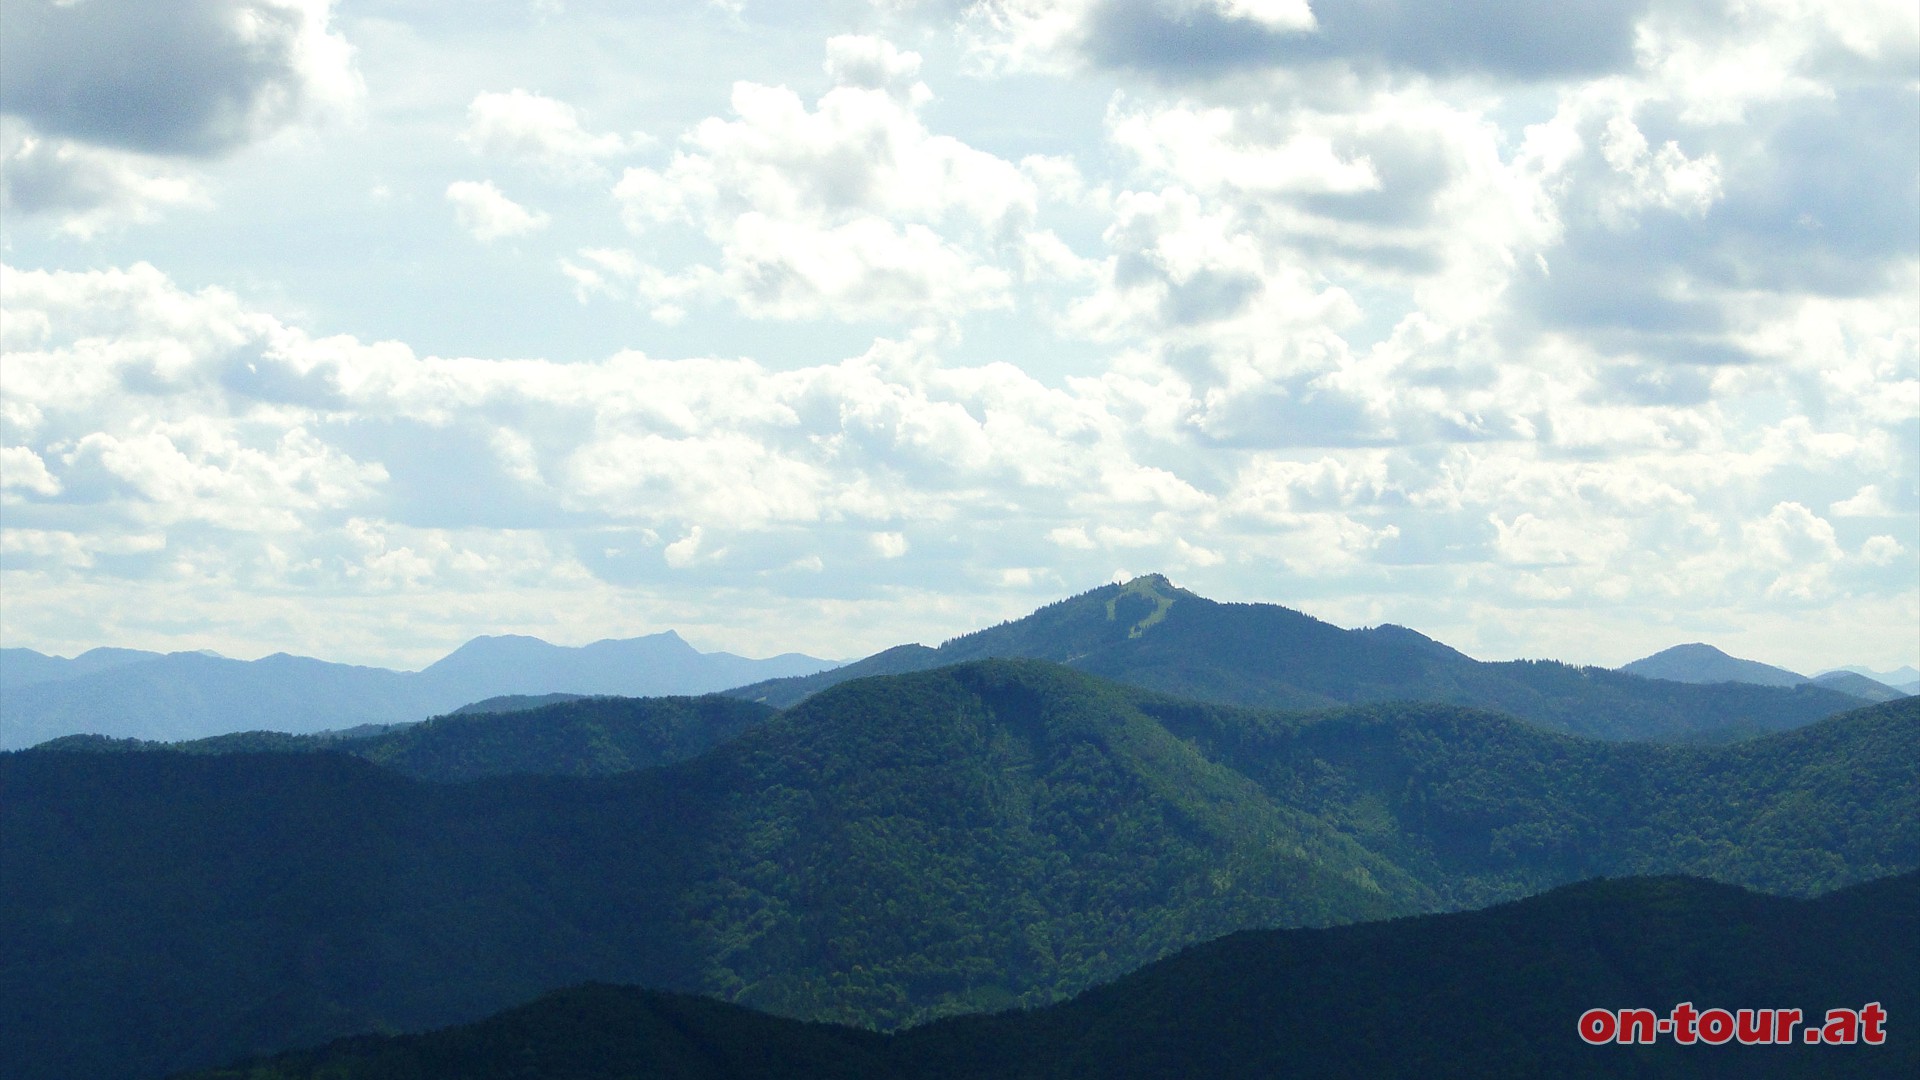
(259, 653)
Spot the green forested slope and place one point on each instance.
(892, 850)
(1484, 808)
(1489, 994)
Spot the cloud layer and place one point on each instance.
(1559, 337)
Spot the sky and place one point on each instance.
(357, 328)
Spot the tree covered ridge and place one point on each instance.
(896, 849)
(585, 736)
(1490, 993)
(1152, 634)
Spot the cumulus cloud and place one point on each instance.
(1867, 502)
(105, 87)
(90, 190)
(851, 209)
(200, 440)
(541, 130)
(486, 212)
(22, 470)
(1882, 550)
(871, 63)
(1263, 238)
(197, 78)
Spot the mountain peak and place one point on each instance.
(1695, 650)
(1153, 588)
(1698, 662)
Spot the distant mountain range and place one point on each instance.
(1492, 994)
(1150, 633)
(1905, 679)
(1146, 632)
(127, 693)
(1858, 685)
(1700, 663)
(892, 850)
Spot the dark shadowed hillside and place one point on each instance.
(596, 736)
(515, 702)
(894, 850)
(1491, 993)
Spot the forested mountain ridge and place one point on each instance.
(181, 696)
(1492, 993)
(1150, 633)
(582, 736)
(895, 849)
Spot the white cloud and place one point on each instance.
(1531, 540)
(1720, 61)
(1408, 316)
(1665, 178)
(1071, 536)
(1205, 148)
(75, 550)
(182, 417)
(486, 212)
(1025, 35)
(1867, 502)
(1800, 545)
(871, 63)
(105, 99)
(21, 469)
(89, 190)
(1257, 227)
(547, 132)
(202, 471)
(852, 210)
(1268, 14)
(1882, 550)
(685, 551)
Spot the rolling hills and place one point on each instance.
(892, 850)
